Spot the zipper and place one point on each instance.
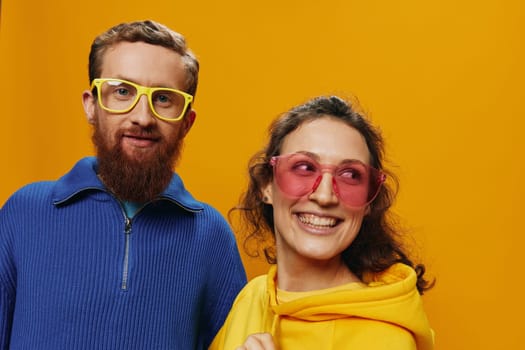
(127, 238)
(125, 264)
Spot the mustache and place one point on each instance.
(140, 132)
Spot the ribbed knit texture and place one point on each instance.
(62, 269)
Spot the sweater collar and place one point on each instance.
(83, 177)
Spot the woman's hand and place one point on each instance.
(258, 341)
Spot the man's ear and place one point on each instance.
(267, 193)
(88, 101)
(188, 121)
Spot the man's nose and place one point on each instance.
(141, 113)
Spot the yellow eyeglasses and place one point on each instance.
(120, 96)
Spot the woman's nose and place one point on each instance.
(323, 191)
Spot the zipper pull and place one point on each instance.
(127, 228)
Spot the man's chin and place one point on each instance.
(137, 155)
(136, 178)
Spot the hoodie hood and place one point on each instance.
(391, 297)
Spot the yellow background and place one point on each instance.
(443, 78)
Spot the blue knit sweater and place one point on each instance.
(75, 273)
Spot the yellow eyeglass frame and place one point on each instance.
(141, 90)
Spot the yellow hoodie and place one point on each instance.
(386, 314)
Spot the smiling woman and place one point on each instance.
(317, 196)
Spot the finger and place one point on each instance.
(258, 341)
(266, 340)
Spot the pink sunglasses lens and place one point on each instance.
(296, 174)
(362, 188)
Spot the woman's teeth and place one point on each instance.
(314, 220)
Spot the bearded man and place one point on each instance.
(117, 254)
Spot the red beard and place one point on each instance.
(139, 179)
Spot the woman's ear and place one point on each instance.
(88, 101)
(267, 194)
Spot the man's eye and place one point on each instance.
(122, 92)
(162, 98)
